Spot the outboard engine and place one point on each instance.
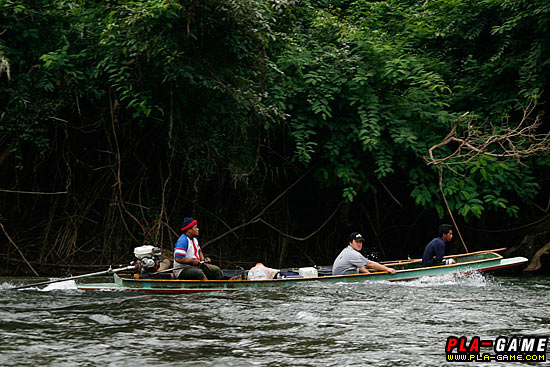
(148, 259)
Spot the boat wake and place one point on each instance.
(472, 279)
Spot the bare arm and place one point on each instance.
(376, 266)
(187, 261)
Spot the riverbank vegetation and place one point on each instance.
(281, 126)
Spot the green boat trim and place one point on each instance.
(405, 270)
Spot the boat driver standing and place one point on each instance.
(350, 260)
(189, 261)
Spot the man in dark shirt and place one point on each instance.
(435, 250)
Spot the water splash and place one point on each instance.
(471, 279)
(7, 285)
(67, 284)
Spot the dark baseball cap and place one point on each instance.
(356, 236)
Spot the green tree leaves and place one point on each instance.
(373, 86)
(360, 90)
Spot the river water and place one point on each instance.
(379, 323)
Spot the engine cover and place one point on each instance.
(145, 251)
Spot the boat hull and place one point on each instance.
(406, 270)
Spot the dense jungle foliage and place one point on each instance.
(281, 125)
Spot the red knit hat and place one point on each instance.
(187, 223)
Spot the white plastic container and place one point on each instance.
(308, 272)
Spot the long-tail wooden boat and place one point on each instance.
(405, 270)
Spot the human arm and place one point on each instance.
(376, 266)
(187, 261)
(202, 258)
(439, 251)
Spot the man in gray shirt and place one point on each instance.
(350, 260)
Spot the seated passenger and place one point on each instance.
(350, 260)
(435, 250)
(189, 261)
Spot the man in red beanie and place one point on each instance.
(189, 261)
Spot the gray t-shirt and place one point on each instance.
(348, 262)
